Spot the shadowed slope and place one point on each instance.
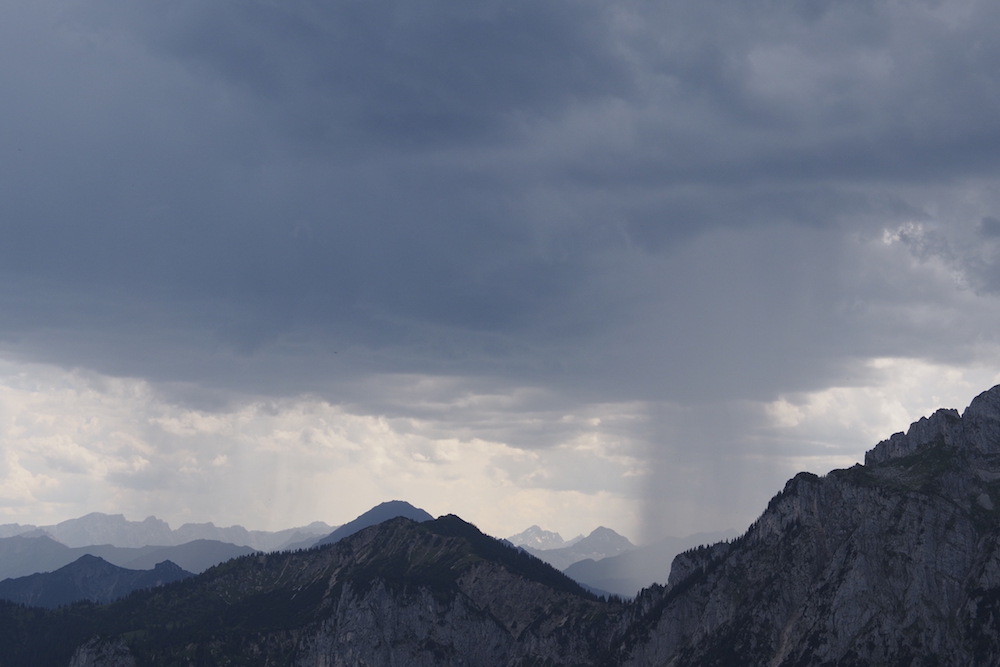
(87, 578)
(400, 592)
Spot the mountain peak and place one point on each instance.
(603, 538)
(381, 512)
(978, 429)
(537, 538)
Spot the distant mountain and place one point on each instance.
(398, 593)
(195, 556)
(376, 515)
(258, 539)
(601, 543)
(21, 555)
(116, 530)
(87, 578)
(627, 573)
(12, 529)
(536, 538)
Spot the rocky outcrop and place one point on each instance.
(977, 430)
(894, 562)
(103, 653)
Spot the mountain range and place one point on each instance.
(894, 562)
(400, 592)
(601, 543)
(537, 538)
(627, 573)
(116, 530)
(87, 578)
(22, 555)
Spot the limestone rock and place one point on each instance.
(893, 562)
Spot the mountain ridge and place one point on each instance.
(88, 578)
(601, 543)
(895, 562)
(631, 571)
(22, 556)
(539, 539)
(378, 514)
(97, 528)
(438, 592)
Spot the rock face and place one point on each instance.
(894, 562)
(98, 653)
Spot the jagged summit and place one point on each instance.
(894, 562)
(538, 538)
(978, 430)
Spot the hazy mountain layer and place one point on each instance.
(21, 556)
(87, 578)
(539, 539)
(628, 573)
(116, 530)
(601, 543)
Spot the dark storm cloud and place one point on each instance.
(394, 72)
(621, 199)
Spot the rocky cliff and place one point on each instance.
(896, 562)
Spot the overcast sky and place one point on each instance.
(565, 262)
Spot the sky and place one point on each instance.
(558, 262)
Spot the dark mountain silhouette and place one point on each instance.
(401, 592)
(376, 515)
(87, 578)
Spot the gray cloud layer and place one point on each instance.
(684, 201)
